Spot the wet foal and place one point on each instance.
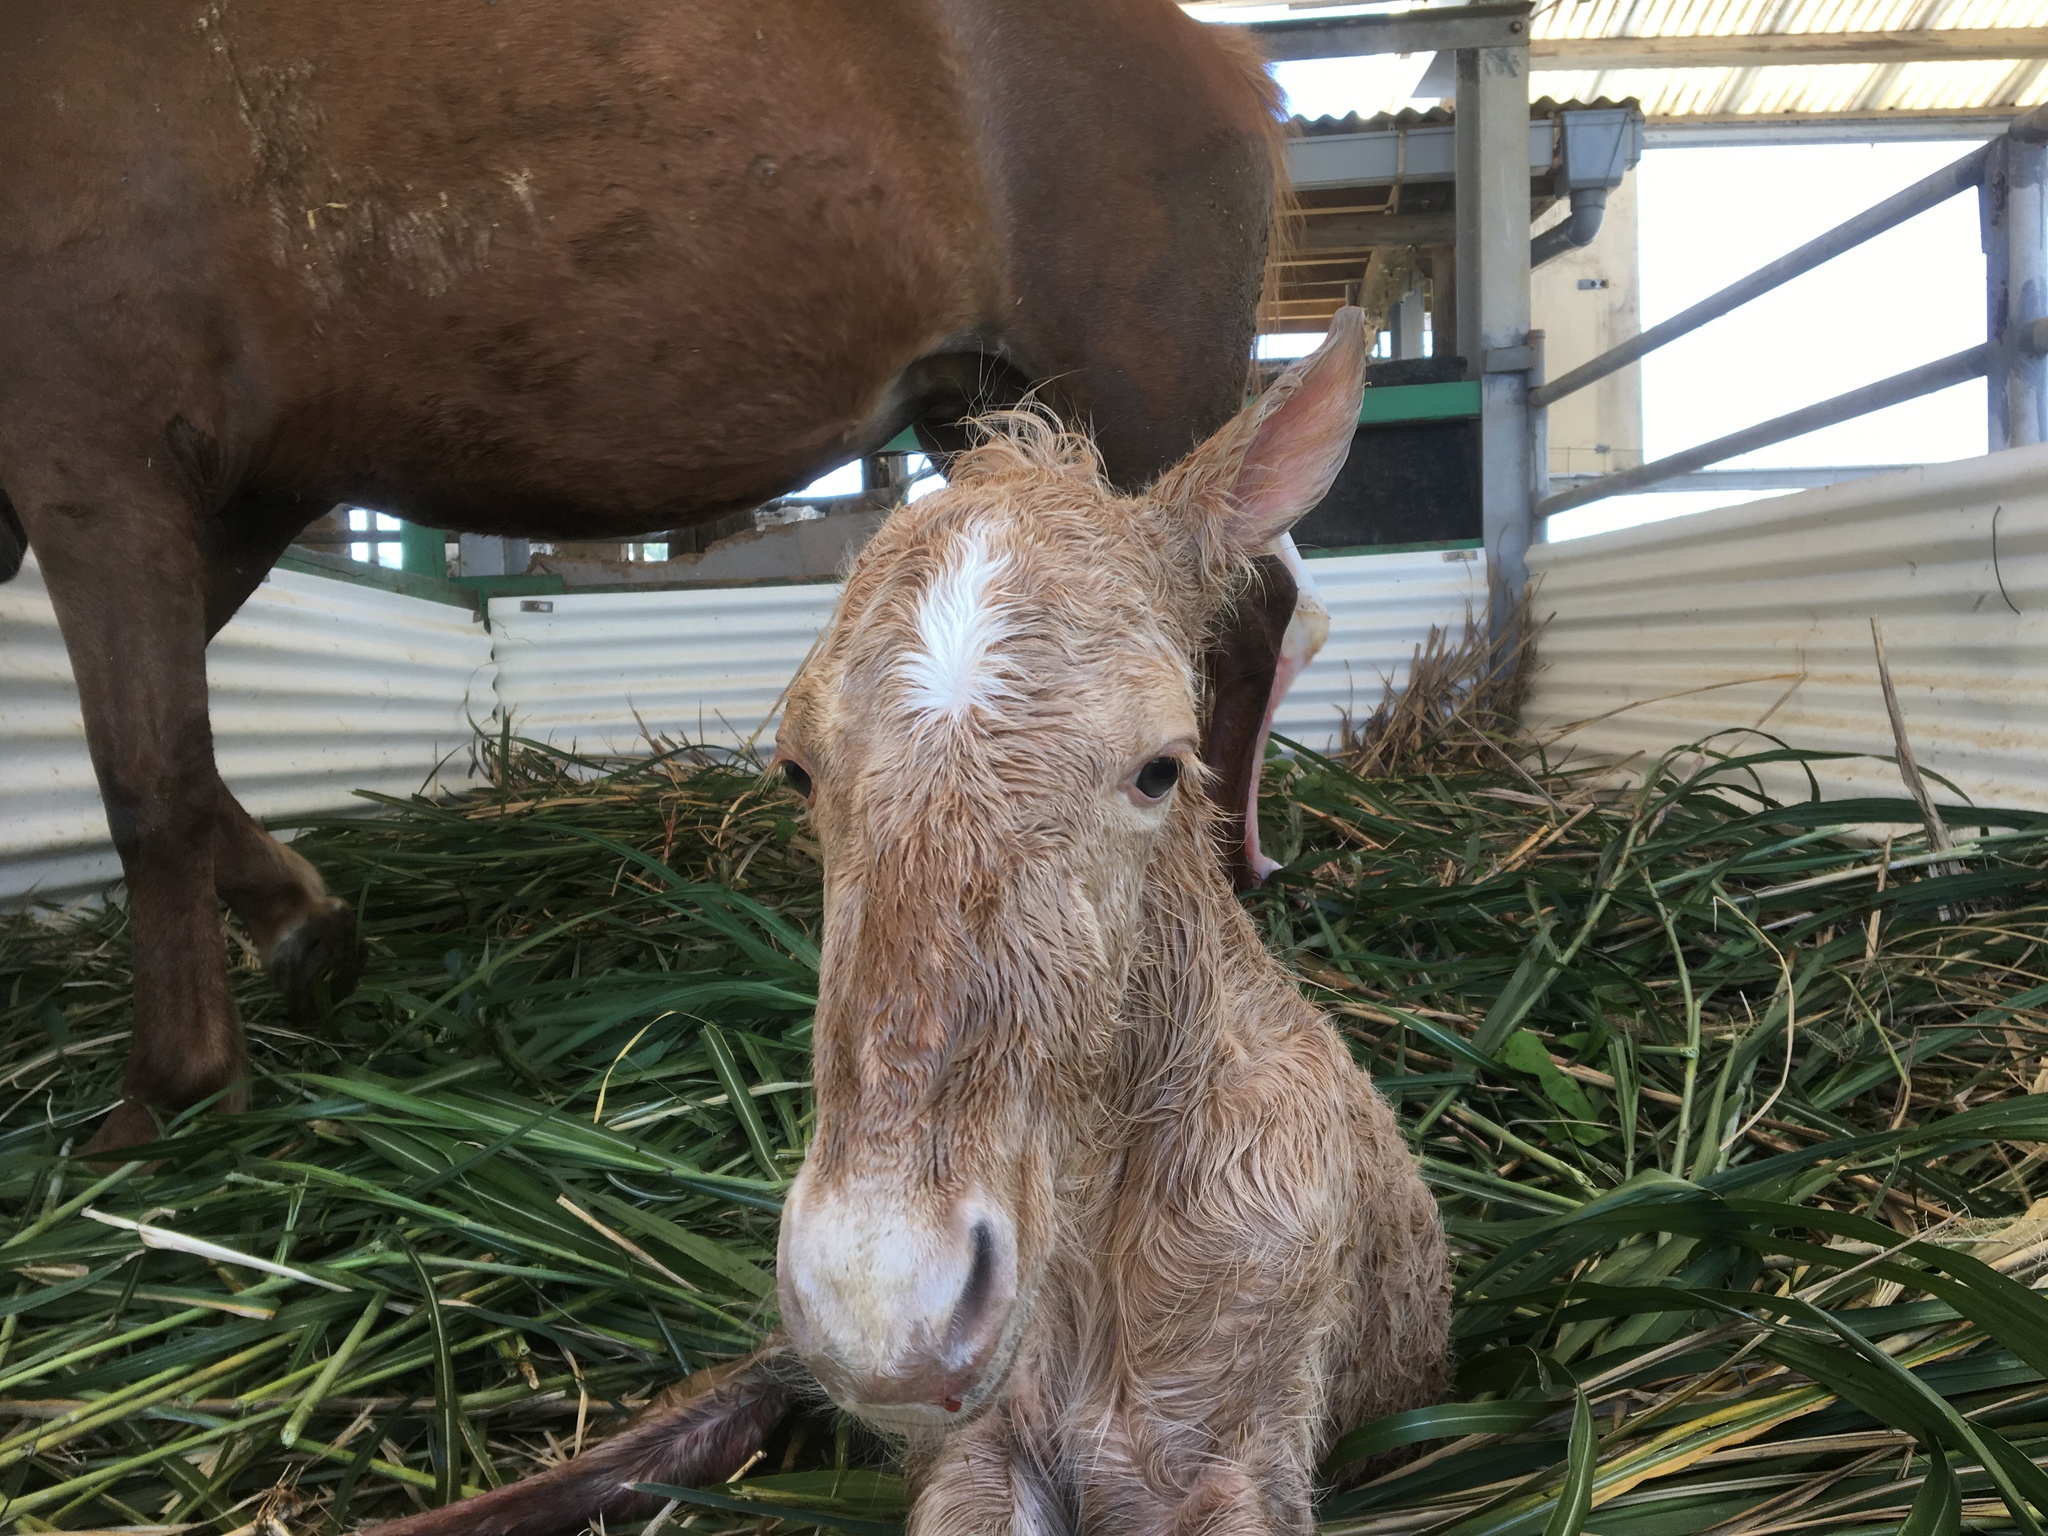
(1099, 1214)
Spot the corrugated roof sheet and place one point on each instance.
(1974, 85)
(1969, 86)
(1749, 18)
(1437, 116)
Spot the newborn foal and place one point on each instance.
(1099, 1214)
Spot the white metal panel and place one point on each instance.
(322, 687)
(1381, 608)
(1758, 618)
(601, 672)
(318, 688)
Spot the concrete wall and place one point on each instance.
(1578, 324)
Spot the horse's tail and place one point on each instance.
(13, 542)
(703, 1436)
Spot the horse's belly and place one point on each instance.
(584, 256)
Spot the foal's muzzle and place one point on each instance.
(904, 1313)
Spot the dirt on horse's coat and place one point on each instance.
(567, 270)
(1099, 1215)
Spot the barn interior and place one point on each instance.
(1723, 1048)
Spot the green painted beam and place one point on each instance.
(1419, 402)
(423, 551)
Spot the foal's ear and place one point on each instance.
(1275, 460)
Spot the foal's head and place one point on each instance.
(995, 736)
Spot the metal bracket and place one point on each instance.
(1512, 359)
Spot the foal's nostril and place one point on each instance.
(968, 1336)
(899, 1314)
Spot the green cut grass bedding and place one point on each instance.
(1731, 1126)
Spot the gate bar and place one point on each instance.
(1910, 385)
(1918, 198)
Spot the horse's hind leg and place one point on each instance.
(120, 553)
(13, 542)
(304, 935)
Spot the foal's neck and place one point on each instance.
(1201, 977)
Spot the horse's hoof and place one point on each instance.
(325, 947)
(129, 1125)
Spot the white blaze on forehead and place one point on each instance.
(961, 619)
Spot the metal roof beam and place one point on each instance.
(1435, 30)
(1444, 28)
(1707, 131)
(1764, 51)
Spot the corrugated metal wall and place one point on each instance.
(1758, 617)
(600, 671)
(319, 688)
(1381, 608)
(1751, 617)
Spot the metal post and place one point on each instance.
(2015, 225)
(1493, 293)
(1443, 300)
(1466, 172)
(1407, 320)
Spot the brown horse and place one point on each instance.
(1099, 1215)
(565, 270)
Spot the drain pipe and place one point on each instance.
(1589, 210)
(1596, 148)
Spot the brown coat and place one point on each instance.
(568, 268)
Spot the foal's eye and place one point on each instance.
(799, 777)
(1157, 777)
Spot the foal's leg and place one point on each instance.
(119, 550)
(1150, 1478)
(1254, 1316)
(987, 1479)
(303, 934)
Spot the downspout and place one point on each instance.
(1596, 146)
(1589, 208)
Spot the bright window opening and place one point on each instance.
(374, 549)
(843, 481)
